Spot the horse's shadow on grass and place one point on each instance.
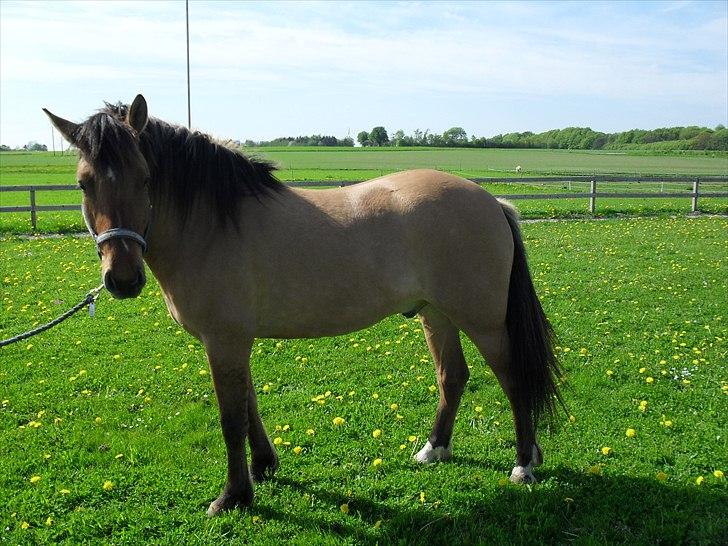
(566, 506)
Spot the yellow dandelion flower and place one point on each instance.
(344, 508)
(25, 525)
(297, 450)
(108, 485)
(606, 451)
(643, 370)
(377, 462)
(376, 433)
(64, 491)
(266, 388)
(375, 395)
(278, 440)
(596, 469)
(422, 497)
(378, 524)
(649, 380)
(699, 480)
(631, 433)
(718, 474)
(478, 409)
(432, 388)
(310, 432)
(393, 407)
(257, 520)
(572, 419)
(402, 446)
(610, 373)
(35, 479)
(49, 521)
(661, 476)
(119, 456)
(97, 420)
(411, 438)
(202, 372)
(339, 421)
(667, 423)
(503, 482)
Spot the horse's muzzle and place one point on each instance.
(122, 288)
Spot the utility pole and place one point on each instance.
(189, 109)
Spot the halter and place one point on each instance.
(115, 233)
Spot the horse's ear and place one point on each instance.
(67, 128)
(138, 116)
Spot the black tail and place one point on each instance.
(535, 368)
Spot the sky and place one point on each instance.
(261, 70)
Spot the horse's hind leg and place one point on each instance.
(495, 347)
(264, 460)
(443, 339)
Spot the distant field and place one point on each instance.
(364, 163)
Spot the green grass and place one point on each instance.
(125, 397)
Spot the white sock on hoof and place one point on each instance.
(429, 454)
(523, 474)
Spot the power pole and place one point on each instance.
(189, 108)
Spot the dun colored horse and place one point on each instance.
(238, 255)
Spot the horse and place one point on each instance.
(239, 255)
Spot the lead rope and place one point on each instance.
(89, 300)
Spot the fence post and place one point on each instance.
(593, 197)
(696, 186)
(33, 214)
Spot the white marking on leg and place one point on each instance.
(523, 474)
(429, 454)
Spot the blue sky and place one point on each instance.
(261, 70)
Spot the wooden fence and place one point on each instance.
(591, 195)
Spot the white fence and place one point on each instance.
(593, 181)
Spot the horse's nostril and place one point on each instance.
(140, 280)
(109, 282)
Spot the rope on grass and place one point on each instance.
(89, 300)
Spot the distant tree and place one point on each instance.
(398, 137)
(362, 138)
(33, 146)
(346, 141)
(379, 136)
(455, 136)
(4, 148)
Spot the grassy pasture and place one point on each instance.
(109, 431)
(360, 164)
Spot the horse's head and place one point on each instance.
(113, 175)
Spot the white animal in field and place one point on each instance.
(518, 169)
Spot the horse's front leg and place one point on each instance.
(230, 369)
(263, 456)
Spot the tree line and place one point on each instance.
(570, 138)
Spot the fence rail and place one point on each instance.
(592, 194)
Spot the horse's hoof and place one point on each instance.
(429, 454)
(264, 469)
(228, 501)
(522, 474)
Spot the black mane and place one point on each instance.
(184, 166)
